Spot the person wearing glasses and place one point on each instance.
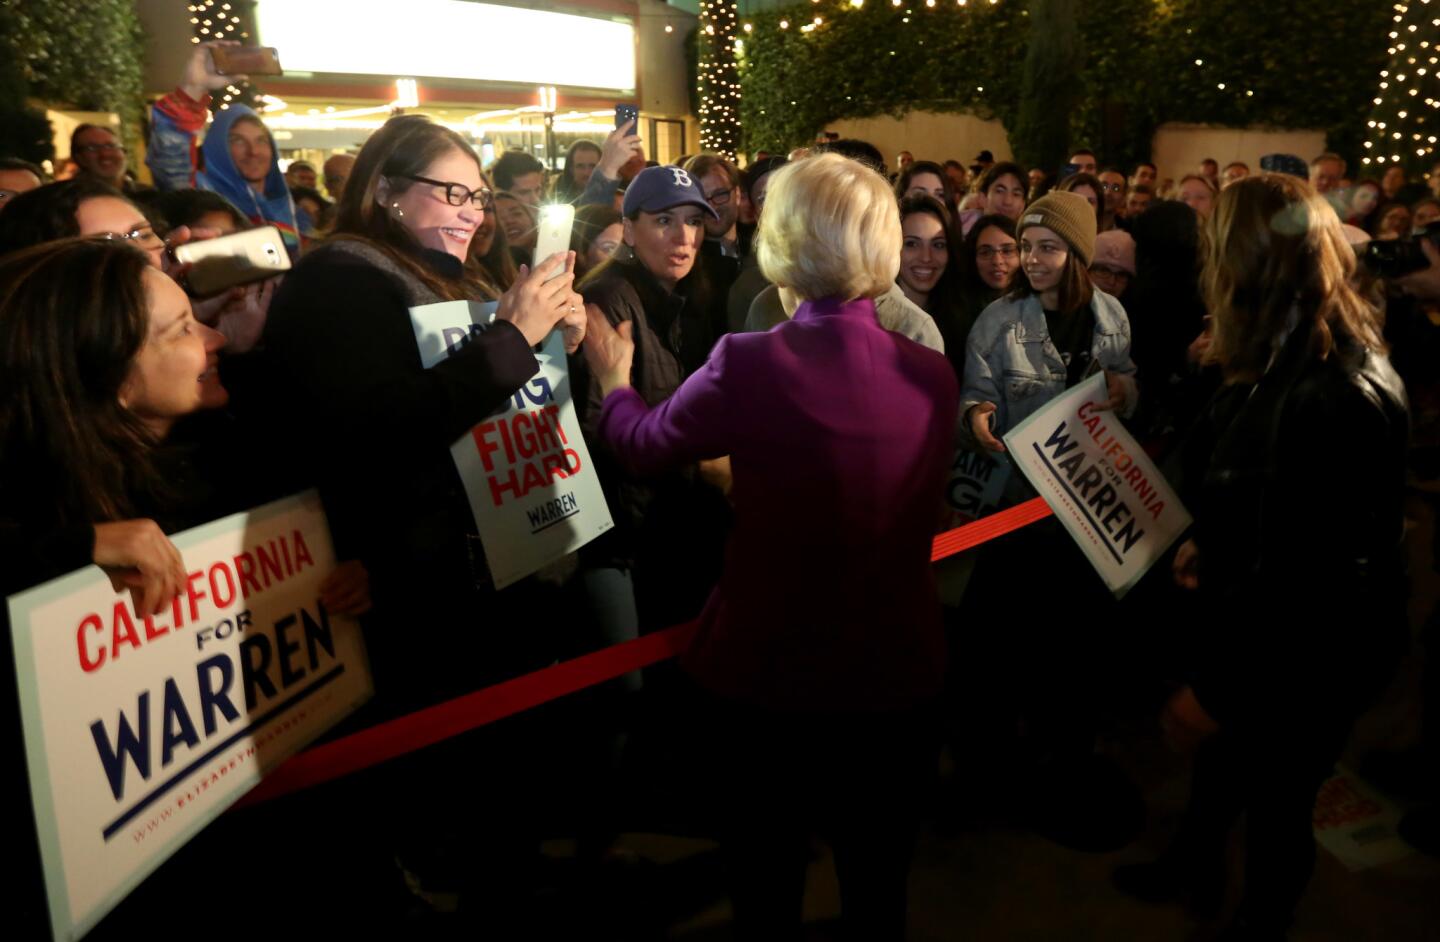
(986, 264)
(86, 207)
(373, 428)
(241, 162)
(83, 206)
(719, 179)
(99, 154)
(1113, 191)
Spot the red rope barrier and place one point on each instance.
(395, 738)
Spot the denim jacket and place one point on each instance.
(1010, 360)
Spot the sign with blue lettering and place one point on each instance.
(141, 729)
(527, 473)
(1102, 486)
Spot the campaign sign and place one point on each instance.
(527, 473)
(975, 487)
(1357, 824)
(141, 729)
(1102, 486)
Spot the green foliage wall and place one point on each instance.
(1308, 63)
(1051, 73)
(24, 130)
(86, 54)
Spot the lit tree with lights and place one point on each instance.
(1405, 125)
(224, 19)
(719, 79)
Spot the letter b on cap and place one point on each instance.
(681, 177)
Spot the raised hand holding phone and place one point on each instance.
(201, 77)
(621, 146)
(553, 234)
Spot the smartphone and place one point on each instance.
(246, 60)
(624, 113)
(553, 235)
(235, 259)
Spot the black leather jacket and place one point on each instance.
(1299, 520)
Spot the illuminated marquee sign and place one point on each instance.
(449, 39)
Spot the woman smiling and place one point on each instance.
(373, 428)
(1048, 334)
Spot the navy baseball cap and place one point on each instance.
(1285, 163)
(657, 188)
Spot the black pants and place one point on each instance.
(858, 780)
(1273, 779)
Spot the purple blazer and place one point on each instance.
(840, 435)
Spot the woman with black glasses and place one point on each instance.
(373, 427)
(364, 420)
(82, 206)
(85, 206)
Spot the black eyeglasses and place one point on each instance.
(143, 237)
(98, 148)
(1112, 187)
(458, 194)
(988, 252)
(719, 197)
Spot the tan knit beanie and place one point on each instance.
(1070, 215)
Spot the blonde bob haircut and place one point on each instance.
(1273, 246)
(830, 230)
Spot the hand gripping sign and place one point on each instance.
(1102, 486)
(527, 473)
(141, 729)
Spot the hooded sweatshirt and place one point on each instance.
(172, 158)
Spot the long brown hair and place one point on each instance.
(1273, 245)
(405, 146)
(944, 297)
(73, 315)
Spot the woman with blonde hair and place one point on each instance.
(1305, 609)
(819, 655)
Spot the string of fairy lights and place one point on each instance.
(220, 19)
(721, 45)
(1396, 125)
(719, 79)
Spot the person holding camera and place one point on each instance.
(239, 158)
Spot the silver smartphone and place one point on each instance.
(556, 221)
(235, 259)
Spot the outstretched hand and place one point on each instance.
(979, 418)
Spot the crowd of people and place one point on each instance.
(774, 368)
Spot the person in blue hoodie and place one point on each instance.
(238, 155)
